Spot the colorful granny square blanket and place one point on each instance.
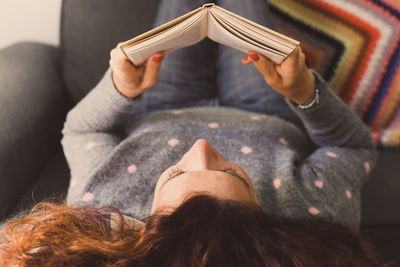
(354, 44)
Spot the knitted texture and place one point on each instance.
(354, 44)
(291, 178)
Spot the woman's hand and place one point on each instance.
(291, 78)
(130, 80)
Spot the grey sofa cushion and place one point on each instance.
(381, 193)
(32, 112)
(386, 240)
(51, 184)
(90, 29)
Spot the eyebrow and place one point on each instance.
(235, 176)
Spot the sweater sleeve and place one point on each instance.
(334, 173)
(93, 128)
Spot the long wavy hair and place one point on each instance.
(203, 231)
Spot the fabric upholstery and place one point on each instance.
(381, 192)
(52, 182)
(32, 111)
(386, 240)
(354, 44)
(90, 29)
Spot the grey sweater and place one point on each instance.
(310, 175)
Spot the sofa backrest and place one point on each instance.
(90, 29)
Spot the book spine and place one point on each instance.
(208, 5)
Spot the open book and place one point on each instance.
(216, 23)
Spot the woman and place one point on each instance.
(271, 176)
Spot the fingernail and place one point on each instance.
(254, 56)
(245, 59)
(158, 58)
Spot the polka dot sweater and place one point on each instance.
(309, 175)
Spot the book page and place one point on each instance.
(218, 33)
(249, 40)
(159, 29)
(218, 24)
(261, 35)
(271, 33)
(188, 32)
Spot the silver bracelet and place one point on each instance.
(315, 101)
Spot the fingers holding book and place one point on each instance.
(131, 80)
(291, 78)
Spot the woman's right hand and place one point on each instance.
(130, 80)
(291, 78)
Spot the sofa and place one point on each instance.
(39, 83)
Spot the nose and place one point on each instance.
(202, 156)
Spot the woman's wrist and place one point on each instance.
(305, 91)
(312, 101)
(123, 89)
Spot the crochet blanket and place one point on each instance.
(354, 44)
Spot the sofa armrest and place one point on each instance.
(33, 105)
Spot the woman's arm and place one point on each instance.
(330, 178)
(95, 126)
(329, 122)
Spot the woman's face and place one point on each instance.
(202, 170)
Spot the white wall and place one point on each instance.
(29, 20)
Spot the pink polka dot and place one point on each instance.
(283, 141)
(255, 118)
(367, 166)
(348, 194)
(319, 184)
(173, 142)
(277, 183)
(246, 150)
(73, 182)
(292, 125)
(90, 145)
(213, 125)
(313, 211)
(132, 168)
(177, 112)
(331, 154)
(88, 197)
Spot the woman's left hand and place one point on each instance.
(291, 78)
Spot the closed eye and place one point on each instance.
(232, 171)
(175, 172)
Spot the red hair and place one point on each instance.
(203, 231)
